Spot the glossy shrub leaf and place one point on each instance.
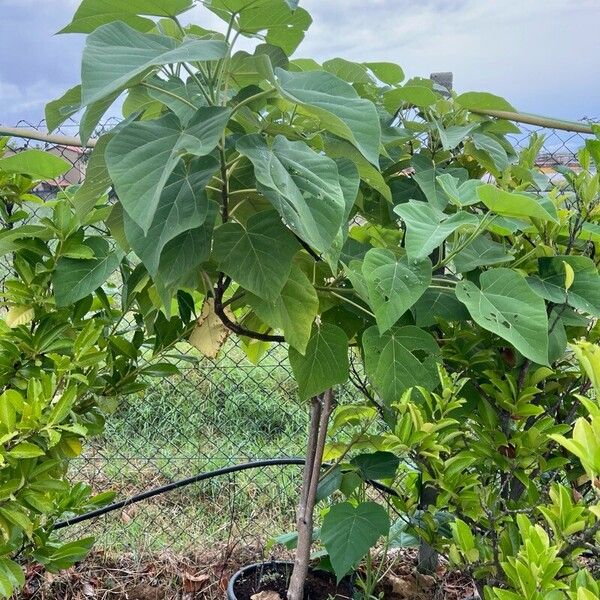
(11, 239)
(427, 227)
(376, 465)
(74, 279)
(93, 13)
(348, 532)
(393, 285)
(115, 55)
(583, 293)
(514, 204)
(337, 105)
(12, 576)
(35, 163)
(258, 255)
(505, 305)
(303, 185)
(325, 362)
(183, 205)
(293, 311)
(142, 156)
(399, 359)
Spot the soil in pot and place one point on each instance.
(274, 577)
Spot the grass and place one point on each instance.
(213, 415)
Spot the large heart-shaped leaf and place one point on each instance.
(427, 227)
(115, 55)
(97, 179)
(183, 98)
(437, 303)
(302, 185)
(281, 22)
(394, 360)
(183, 206)
(505, 305)
(482, 251)
(93, 13)
(492, 148)
(74, 279)
(338, 106)
(258, 255)
(325, 362)
(394, 285)
(348, 533)
(513, 204)
(584, 292)
(142, 156)
(181, 256)
(293, 311)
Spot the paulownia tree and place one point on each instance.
(332, 207)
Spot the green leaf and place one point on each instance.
(115, 56)
(460, 194)
(184, 99)
(259, 255)
(427, 227)
(481, 252)
(584, 292)
(56, 558)
(337, 148)
(160, 370)
(376, 465)
(437, 304)
(484, 101)
(59, 110)
(293, 311)
(35, 163)
(338, 106)
(183, 205)
(93, 13)
(97, 180)
(417, 95)
(142, 156)
(393, 285)
(10, 238)
(348, 71)
(349, 532)
(283, 23)
(426, 174)
(25, 450)
(452, 136)
(325, 362)
(11, 576)
(182, 255)
(73, 279)
(387, 72)
(493, 149)
(506, 305)
(303, 185)
(514, 204)
(394, 360)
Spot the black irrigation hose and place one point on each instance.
(195, 479)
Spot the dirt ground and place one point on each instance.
(204, 576)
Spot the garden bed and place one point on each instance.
(204, 576)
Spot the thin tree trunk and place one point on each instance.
(320, 411)
(428, 556)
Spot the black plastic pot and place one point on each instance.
(257, 571)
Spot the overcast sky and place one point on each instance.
(542, 55)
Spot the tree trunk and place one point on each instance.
(321, 407)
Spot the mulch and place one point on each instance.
(204, 576)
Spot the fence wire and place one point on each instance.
(216, 413)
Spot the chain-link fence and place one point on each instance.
(216, 413)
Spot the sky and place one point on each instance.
(542, 55)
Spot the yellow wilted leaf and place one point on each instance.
(569, 275)
(209, 334)
(19, 315)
